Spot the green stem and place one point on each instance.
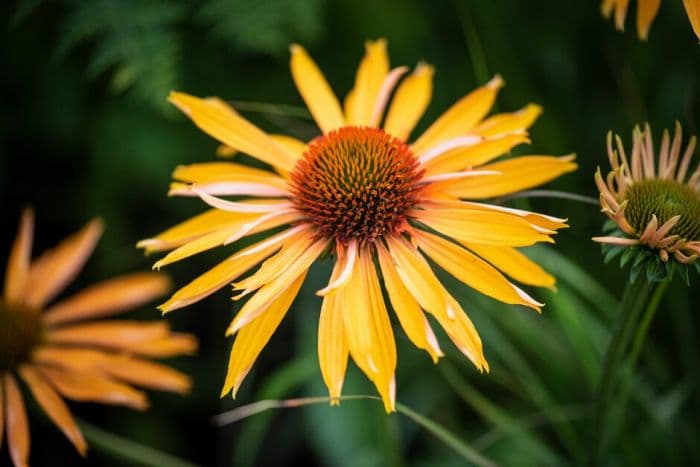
(471, 37)
(552, 194)
(281, 110)
(129, 451)
(467, 452)
(633, 302)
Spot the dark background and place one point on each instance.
(86, 131)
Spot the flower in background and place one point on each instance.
(653, 203)
(646, 12)
(59, 351)
(378, 205)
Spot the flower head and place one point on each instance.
(58, 352)
(378, 205)
(646, 12)
(654, 202)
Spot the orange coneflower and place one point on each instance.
(377, 204)
(57, 353)
(646, 12)
(654, 205)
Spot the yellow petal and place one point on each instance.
(408, 105)
(220, 121)
(472, 271)
(514, 264)
(17, 424)
(270, 292)
(368, 82)
(620, 14)
(606, 7)
(220, 177)
(332, 343)
(224, 273)
(505, 123)
(193, 228)
(411, 317)
(292, 144)
(225, 235)
(517, 174)
(109, 297)
(368, 329)
(90, 387)
(459, 119)
(542, 221)
(483, 227)
(692, 8)
(472, 156)
(315, 90)
(252, 338)
(463, 334)
(20, 257)
(646, 12)
(54, 407)
(57, 267)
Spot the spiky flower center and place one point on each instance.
(356, 184)
(665, 199)
(21, 331)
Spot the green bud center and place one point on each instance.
(665, 199)
(21, 330)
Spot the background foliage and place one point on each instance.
(86, 131)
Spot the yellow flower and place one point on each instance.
(58, 354)
(375, 203)
(646, 12)
(652, 204)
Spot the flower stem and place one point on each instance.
(634, 300)
(129, 451)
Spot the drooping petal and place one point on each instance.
(193, 228)
(411, 99)
(252, 338)
(407, 309)
(17, 423)
(475, 155)
(514, 264)
(315, 90)
(478, 226)
(220, 121)
(512, 122)
(277, 285)
(20, 257)
(332, 343)
(517, 174)
(462, 117)
(692, 8)
(109, 297)
(368, 329)
(368, 82)
(646, 12)
(54, 406)
(224, 235)
(463, 333)
(472, 270)
(91, 387)
(224, 273)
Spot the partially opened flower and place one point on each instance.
(377, 205)
(646, 12)
(59, 350)
(653, 201)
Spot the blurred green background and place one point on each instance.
(86, 131)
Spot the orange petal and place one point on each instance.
(172, 345)
(692, 8)
(57, 267)
(17, 424)
(109, 297)
(459, 119)
(113, 334)
(53, 406)
(91, 387)
(646, 12)
(20, 256)
(252, 338)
